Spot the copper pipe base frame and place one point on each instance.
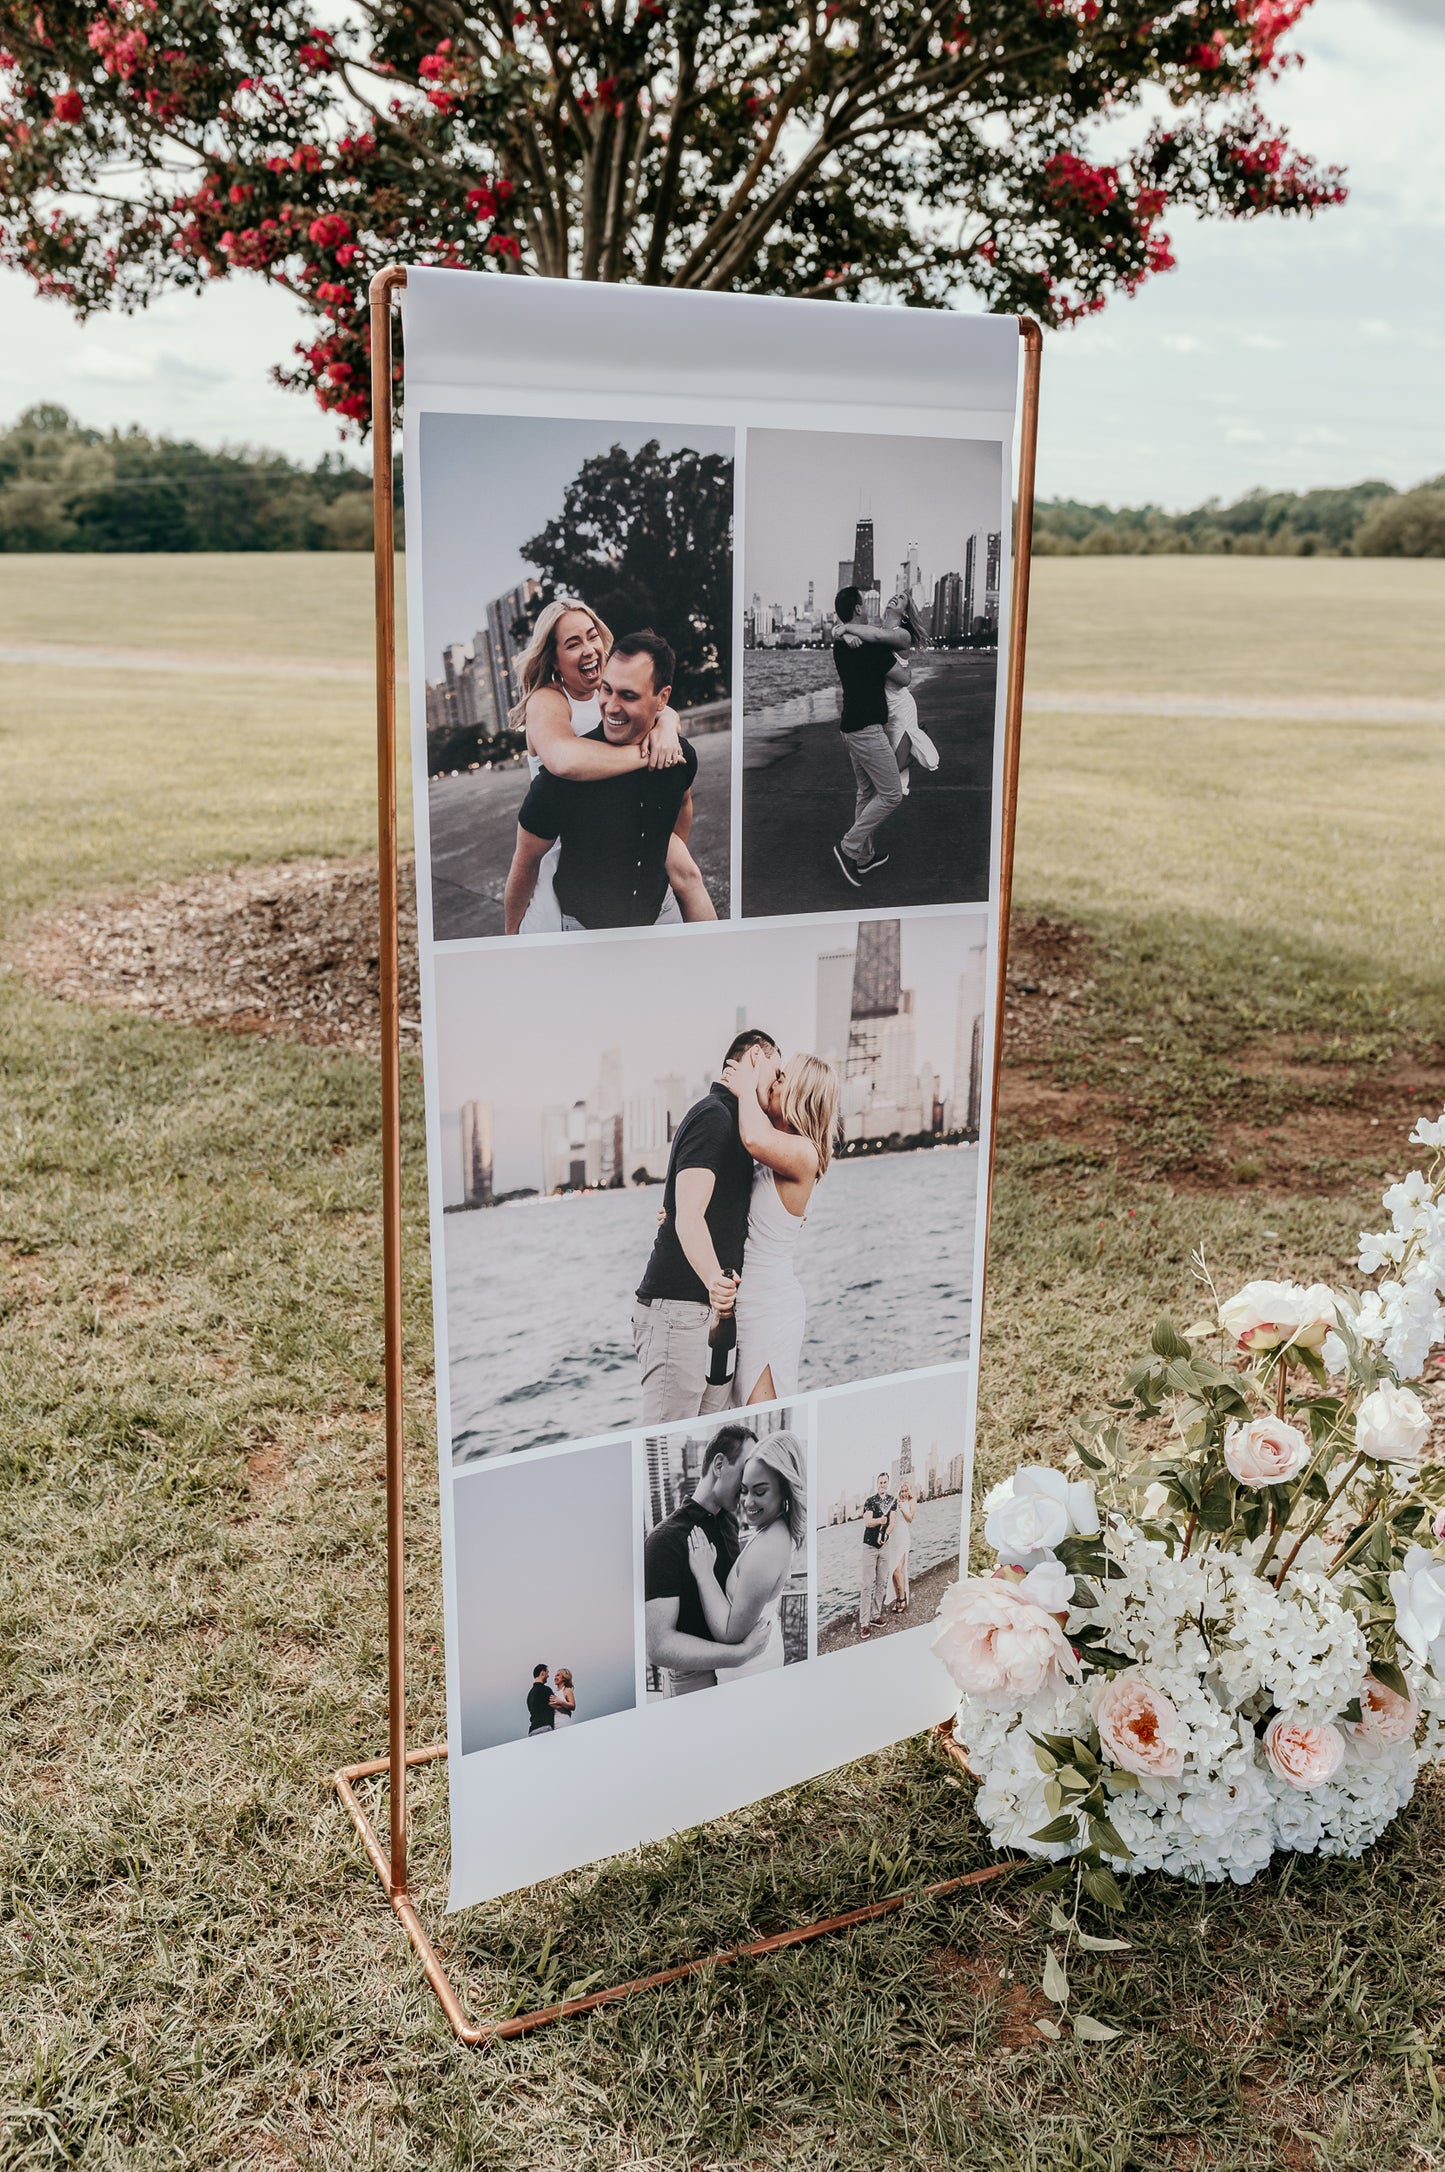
(389, 1859)
(487, 2032)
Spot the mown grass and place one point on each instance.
(199, 1970)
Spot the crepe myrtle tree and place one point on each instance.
(863, 147)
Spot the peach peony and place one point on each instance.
(1385, 1716)
(1267, 1452)
(997, 1644)
(1303, 1753)
(1138, 1726)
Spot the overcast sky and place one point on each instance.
(1287, 352)
(670, 1006)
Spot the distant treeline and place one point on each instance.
(66, 488)
(1367, 520)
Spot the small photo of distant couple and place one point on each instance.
(872, 583)
(546, 1595)
(687, 1174)
(725, 1560)
(576, 599)
(892, 1483)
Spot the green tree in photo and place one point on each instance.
(646, 539)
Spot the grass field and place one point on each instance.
(199, 1970)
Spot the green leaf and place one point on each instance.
(1056, 1983)
(1103, 1835)
(1053, 1795)
(1058, 1921)
(1090, 2031)
(1057, 1830)
(1102, 1886)
(1166, 1340)
(1090, 1944)
(1049, 2029)
(1044, 1759)
(1385, 1670)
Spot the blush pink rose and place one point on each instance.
(999, 1645)
(1385, 1716)
(1266, 1452)
(1269, 1315)
(1139, 1727)
(1303, 1753)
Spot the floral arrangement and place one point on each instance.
(1221, 1631)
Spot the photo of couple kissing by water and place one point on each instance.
(646, 1221)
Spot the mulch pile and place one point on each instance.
(292, 950)
(288, 950)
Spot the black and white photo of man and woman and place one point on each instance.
(673, 1188)
(725, 1558)
(872, 568)
(892, 1473)
(577, 607)
(545, 1552)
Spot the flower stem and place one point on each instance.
(1316, 1520)
(1361, 1538)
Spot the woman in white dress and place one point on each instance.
(788, 1121)
(900, 1538)
(773, 1522)
(564, 1698)
(909, 741)
(560, 672)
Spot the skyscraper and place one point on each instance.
(845, 573)
(966, 1100)
(835, 1006)
(877, 969)
(863, 574)
(990, 586)
(970, 585)
(477, 1153)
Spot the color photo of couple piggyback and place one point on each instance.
(719, 1315)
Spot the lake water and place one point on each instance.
(785, 690)
(840, 1554)
(539, 1295)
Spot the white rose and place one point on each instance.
(1268, 1315)
(1392, 1426)
(1050, 1586)
(1418, 1590)
(1430, 1131)
(1036, 1511)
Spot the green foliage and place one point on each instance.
(64, 487)
(1366, 520)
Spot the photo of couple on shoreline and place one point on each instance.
(647, 1220)
(577, 585)
(725, 1556)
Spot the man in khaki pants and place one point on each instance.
(697, 1258)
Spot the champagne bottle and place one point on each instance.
(722, 1341)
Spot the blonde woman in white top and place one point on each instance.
(773, 1524)
(788, 1121)
(900, 1538)
(559, 673)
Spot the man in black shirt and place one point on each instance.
(863, 657)
(873, 1583)
(697, 1255)
(615, 831)
(541, 1717)
(679, 1643)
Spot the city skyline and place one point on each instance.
(807, 491)
(956, 607)
(582, 1032)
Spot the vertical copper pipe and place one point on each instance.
(381, 291)
(1033, 340)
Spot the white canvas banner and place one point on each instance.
(708, 630)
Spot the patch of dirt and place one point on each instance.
(267, 1467)
(983, 1978)
(290, 950)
